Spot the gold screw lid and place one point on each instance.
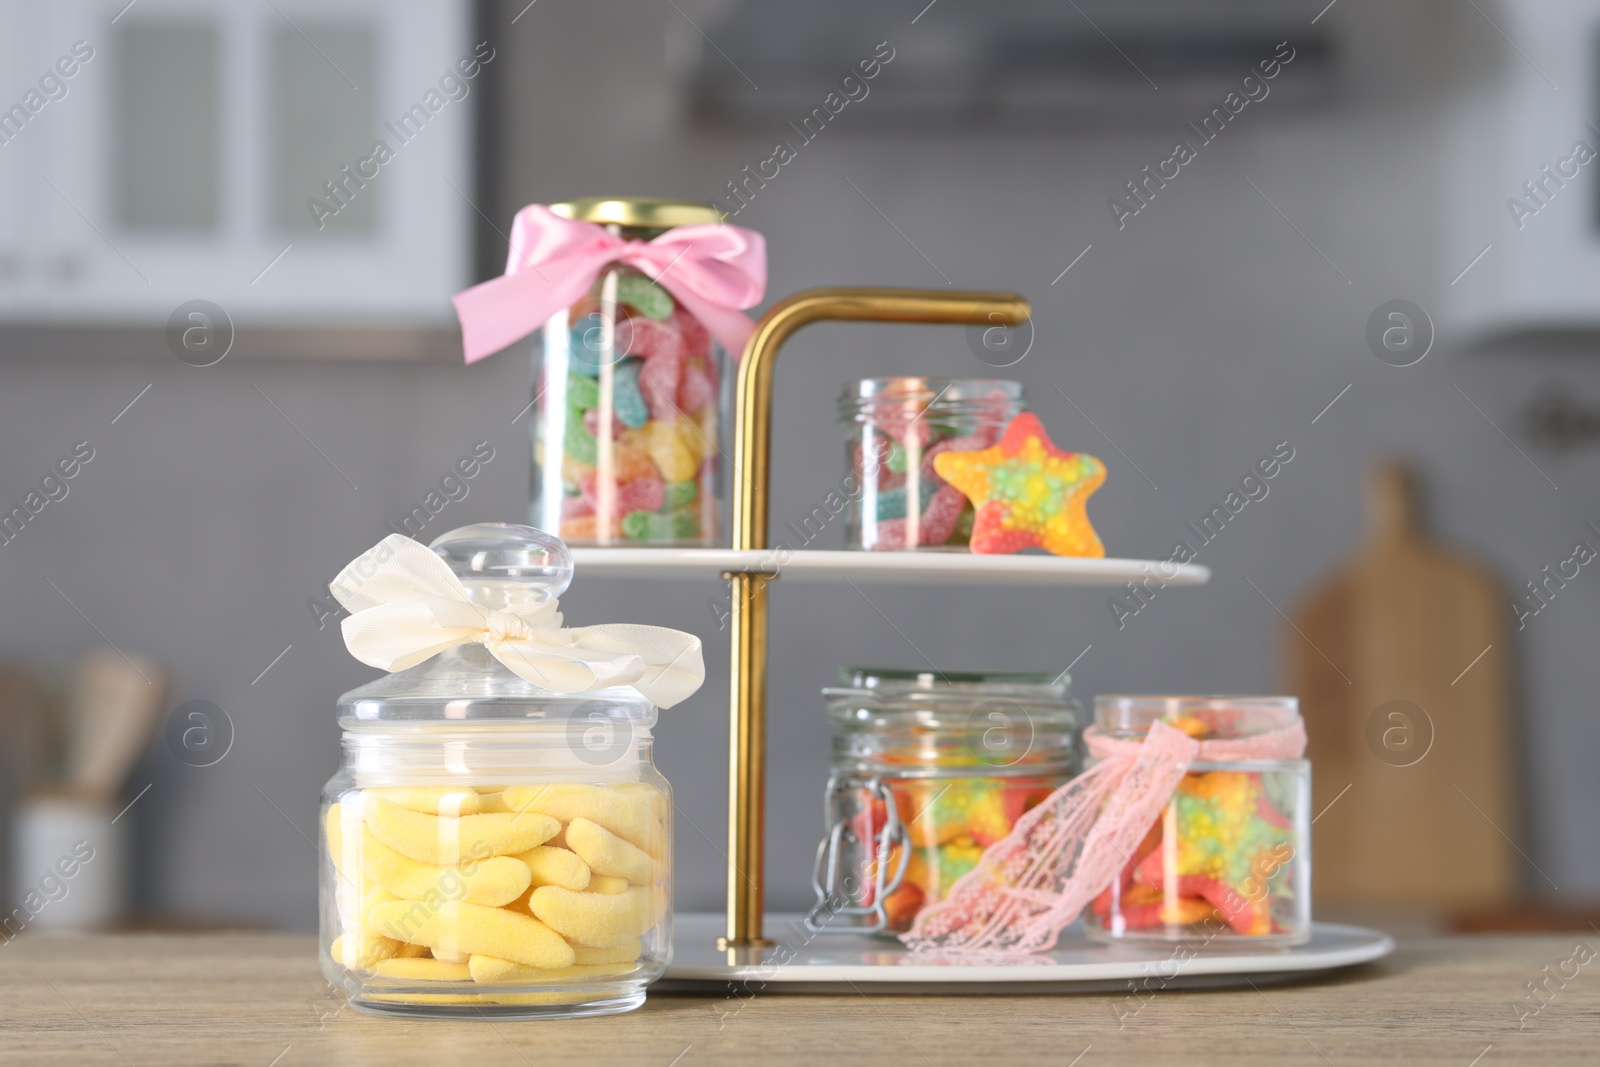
(645, 211)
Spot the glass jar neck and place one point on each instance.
(1209, 717)
(1007, 747)
(575, 750)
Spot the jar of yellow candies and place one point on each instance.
(493, 846)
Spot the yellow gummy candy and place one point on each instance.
(626, 952)
(494, 969)
(360, 953)
(423, 970)
(608, 854)
(449, 800)
(447, 842)
(468, 928)
(595, 919)
(672, 453)
(625, 816)
(608, 884)
(649, 795)
(334, 827)
(492, 802)
(493, 882)
(374, 896)
(556, 866)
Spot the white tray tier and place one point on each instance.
(802, 962)
(906, 568)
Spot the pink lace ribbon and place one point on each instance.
(713, 270)
(1031, 885)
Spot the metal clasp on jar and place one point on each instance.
(833, 897)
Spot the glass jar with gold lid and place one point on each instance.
(628, 386)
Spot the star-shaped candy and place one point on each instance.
(1026, 492)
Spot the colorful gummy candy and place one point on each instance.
(1215, 855)
(638, 437)
(484, 887)
(948, 823)
(1027, 492)
(905, 501)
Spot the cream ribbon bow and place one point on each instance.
(407, 606)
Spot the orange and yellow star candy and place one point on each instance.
(1027, 492)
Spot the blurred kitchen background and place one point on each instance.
(1181, 343)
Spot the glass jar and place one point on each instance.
(491, 848)
(1229, 857)
(929, 768)
(628, 385)
(894, 427)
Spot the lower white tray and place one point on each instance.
(802, 962)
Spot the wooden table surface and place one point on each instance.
(259, 1000)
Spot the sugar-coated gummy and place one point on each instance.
(626, 816)
(696, 391)
(625, 952)
(579, 443)
(456, 927)
(431, 799)
(672, 449)
(422, 970)
(594, 919)
(490, 969)
(492, 882)
(680, 493)
(359, 953)
(446, 843)
(585, 341)
(609, 884)
(658, 383)
(583, 393)
(626, 400)
(644, 295)
(648, 338)
(608, 854)
(556, 866)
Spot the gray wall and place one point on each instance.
(1196, 338)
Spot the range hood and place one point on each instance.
(1004, 64)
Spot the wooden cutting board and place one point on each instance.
(1401, 662)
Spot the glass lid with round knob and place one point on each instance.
(511, 570)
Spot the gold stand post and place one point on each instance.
(752, 428)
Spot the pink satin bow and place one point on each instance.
(713, 270)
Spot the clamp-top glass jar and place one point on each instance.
(930, 768)
(628, 386)
(1229, 857)
(492, 847)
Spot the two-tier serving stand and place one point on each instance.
(743, 951)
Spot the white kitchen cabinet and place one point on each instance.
(1520, 104)
(185, 157)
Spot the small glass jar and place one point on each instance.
(929, 768)
(1229, 858)
(628, 385)
(491, 848)
(894, 427)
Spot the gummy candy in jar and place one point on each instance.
(1228, 859)
(894, 429)
(497, 841)
(929, 769)
(628, 383)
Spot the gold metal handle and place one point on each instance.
(752, 436)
